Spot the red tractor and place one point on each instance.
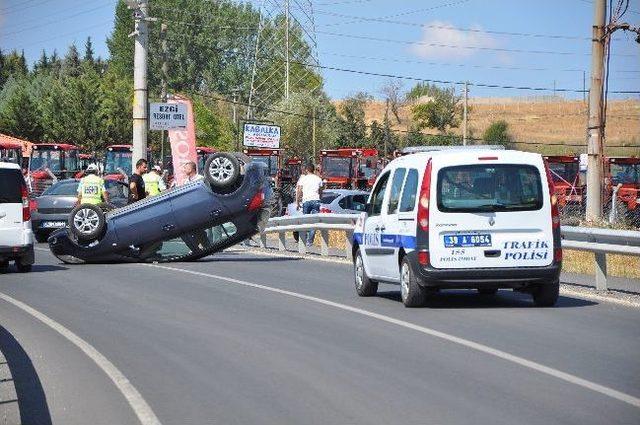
(49, 162)
(10, 150)
(623, 172)
(203, 152)
(117, 162)
(85, 159)
(570, 191)
(349, 168)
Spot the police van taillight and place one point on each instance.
(423, 200)
(26, 211)
(555, 212)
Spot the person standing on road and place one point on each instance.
(136, 183)
(153, 182)
(308, 192)
(191, 172)
(91, 188)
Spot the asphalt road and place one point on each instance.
(239, 338)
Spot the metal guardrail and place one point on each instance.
(599, 241)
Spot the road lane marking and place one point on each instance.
(610, 392)
(134, 398)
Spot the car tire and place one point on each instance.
(365, 287)
(546, 295)
(87, 222)
(23, 268)
(487, 291)
(222, 171)
(411, 293)
(41, 237)
(4, 267)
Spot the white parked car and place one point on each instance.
(477, 219)
(16, 236)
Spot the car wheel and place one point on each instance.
(41, 237)
(546, 295)
(487, 291)
(365, 287)
(4, 266)
(222, 171)
(23, 268)
(87, 222)
(412, 294)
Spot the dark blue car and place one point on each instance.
(188, 222)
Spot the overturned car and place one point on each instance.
(188, 222)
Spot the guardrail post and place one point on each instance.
(324, 243)
(263, 240)
(302, 247)
(282, 246)
(601, 271)
(348, 243)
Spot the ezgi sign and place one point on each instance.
(261, 136)
(167, 116)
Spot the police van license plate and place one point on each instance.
(53, 224)
(467, 240)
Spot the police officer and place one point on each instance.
(91, 189)
(153, 182)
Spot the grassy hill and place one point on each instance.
(548, 125)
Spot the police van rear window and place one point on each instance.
(489, 188)
(11, 182)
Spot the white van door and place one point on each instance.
(11, 207)
(373, 227)
(493, 214)
(391, 238)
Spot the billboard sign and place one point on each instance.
(167, 116)
(261, 136)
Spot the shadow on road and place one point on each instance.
(32, 401)
(40, 268)
(471, 299)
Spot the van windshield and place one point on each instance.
(495, 187)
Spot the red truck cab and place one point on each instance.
(349, 168)
(51, 161)
(565, 172)
(623, 171)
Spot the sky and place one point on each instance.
(443, 40)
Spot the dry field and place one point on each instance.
(555, 124)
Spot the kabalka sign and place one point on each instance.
(261, 136)
(167, 116)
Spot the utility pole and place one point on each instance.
(464, 113)
(595, 127)
(141, 37)
(584, 86)
(235, 117)
(165, 77)
(386, 128)
(313, 130)
(286, 76)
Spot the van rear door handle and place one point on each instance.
(380, 228)
(492, 253)
(168, 227)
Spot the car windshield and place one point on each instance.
(201, 240)
(367, 171)
(270, 161)
(63, 188)
(335, 166)
(328, 197)
(564, 172)
(625, 174)
(116, 160)
(116, 189)
(500, 187)
(45, 158)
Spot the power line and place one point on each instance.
(13, 10)
(450, 27)
(110, 21)
(451, 46)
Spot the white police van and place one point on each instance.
(461, 218)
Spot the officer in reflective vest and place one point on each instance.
(153, 182)
(91, 189)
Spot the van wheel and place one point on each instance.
(222, 171)
(41, 237)
(487, 291)
(23, 268)
(546, 295)
(87, 222)
(413, 295)
(365, 287)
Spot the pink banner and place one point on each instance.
(183, 143)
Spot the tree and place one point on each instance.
(13, 65)
(376, 135)
(352, 110)
(71, 63)
(18, 112)
(442, 112)
(213, 128)
(498, 133)
(88, 51)
(116, 104)
(119, 43)
(392, 93)
(43, 63)
(420, 90)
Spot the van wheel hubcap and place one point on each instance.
(359, 272)
(86, 221)
(221, 169)
(405, 275)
